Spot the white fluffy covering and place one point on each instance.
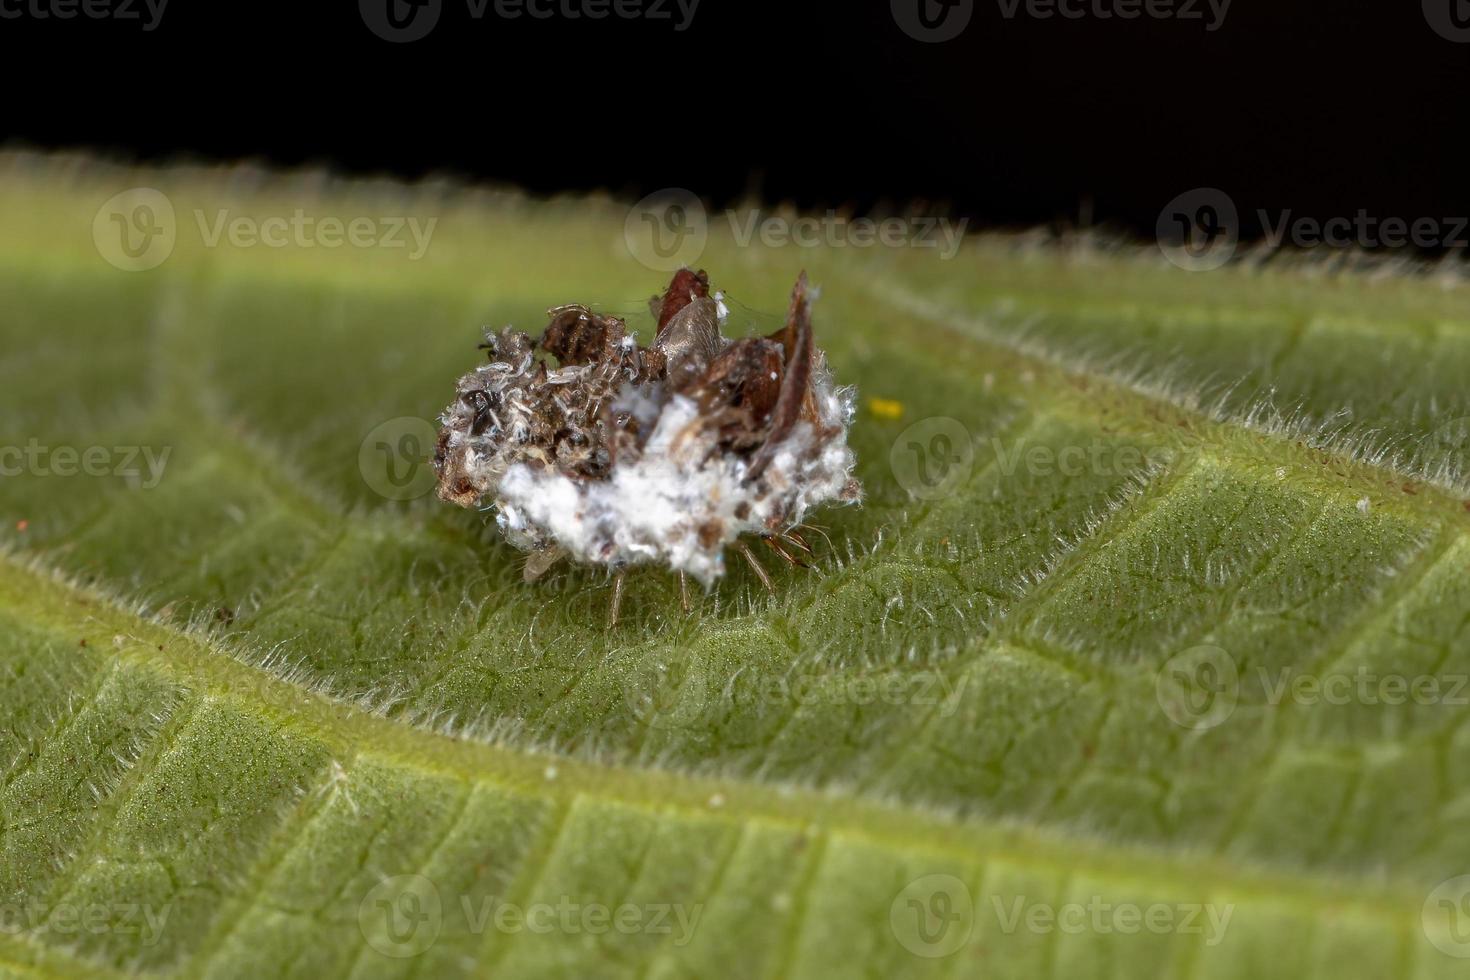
(677, 503)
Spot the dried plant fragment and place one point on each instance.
(622, 455)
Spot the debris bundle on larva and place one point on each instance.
(623, 455)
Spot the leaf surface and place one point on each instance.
(315, 726)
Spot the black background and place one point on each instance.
(1320, 107)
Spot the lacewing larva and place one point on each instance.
(621, 455)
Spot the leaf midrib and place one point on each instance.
(1075, 396)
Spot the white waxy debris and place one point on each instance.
(677, 504)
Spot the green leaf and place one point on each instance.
(1064, 697)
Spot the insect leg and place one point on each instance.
(786, 556)
(813, 527)
(795, 540)
(755, 564)
(615, 607)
